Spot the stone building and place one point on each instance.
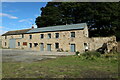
(74, 37)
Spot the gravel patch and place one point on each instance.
(15, 55)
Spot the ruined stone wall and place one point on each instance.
(97, 42)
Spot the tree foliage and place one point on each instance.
(101, 18)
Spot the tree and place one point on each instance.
(101, 18)
(50, 16)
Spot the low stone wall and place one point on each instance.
(97, 42)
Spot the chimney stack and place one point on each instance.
(32, 26)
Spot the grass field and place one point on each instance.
(63, 67)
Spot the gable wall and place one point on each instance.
(8, 38)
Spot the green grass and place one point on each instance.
(63, 67)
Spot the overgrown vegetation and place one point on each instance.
(93, 55)
(77, 53)
(65, 67)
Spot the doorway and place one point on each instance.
(48, 47)
(41, 47)
(12, 43)
(72, 48)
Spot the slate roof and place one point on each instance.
(58, 28)
(48, 29)
(23, 31)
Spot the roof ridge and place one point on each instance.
(47, 29)
(58, 28)
(20, 30)
(61, 25)
(16, 32)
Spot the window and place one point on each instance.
(24, 43)
(22, 35)
(49, 35)
(56, 45)
(5, 43)
(30, 45)
(86, 46)
(42, 36)
(30, 36)
(72, 34)
(18, 43)
(35, 44)
(5, 37)
(56, 35)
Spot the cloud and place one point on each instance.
(22, 20)
(2, 32)
(35, 26)
(26, 20)
(8, 15)
(4, 29)
(1, 27)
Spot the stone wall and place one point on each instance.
(81, 40)
(97, 42)
(64, 40)
(8, 38)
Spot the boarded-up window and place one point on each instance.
(24, 43)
